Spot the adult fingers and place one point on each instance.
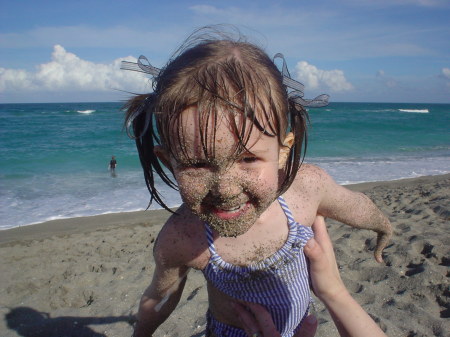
(324, 272)
(320, 231)
(319, 246)
(249, 323)
(323, 238)
(265, 324)
(308, 328)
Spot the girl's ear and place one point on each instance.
(284, 150)
(162, 155)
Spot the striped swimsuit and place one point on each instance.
(280, 283)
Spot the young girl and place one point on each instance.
(221, 120)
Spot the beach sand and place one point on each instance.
(85, 276)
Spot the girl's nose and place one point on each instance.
(225, 185)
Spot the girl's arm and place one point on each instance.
(162, 296)
(159, 299)
(354, 209)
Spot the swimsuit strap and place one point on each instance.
(210, 239)
(286, 209)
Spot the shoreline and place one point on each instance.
(66, 226)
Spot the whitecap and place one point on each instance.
(418, 111)
(85, 111)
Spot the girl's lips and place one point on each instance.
(227, 214)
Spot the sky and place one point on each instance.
(353, 50)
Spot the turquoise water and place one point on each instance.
(54, 157)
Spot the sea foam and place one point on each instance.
(417, 111)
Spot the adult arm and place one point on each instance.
(349, 317)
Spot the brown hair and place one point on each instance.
(218, 75)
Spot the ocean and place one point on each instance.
(54, 157)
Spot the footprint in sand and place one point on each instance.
(414, 268)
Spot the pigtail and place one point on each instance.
(140, 125)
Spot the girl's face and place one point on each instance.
(228, 192)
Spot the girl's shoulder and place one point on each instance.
(182, 239)
(311, 182)
(306, 193)
(311, 176)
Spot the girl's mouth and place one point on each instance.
(231, 212)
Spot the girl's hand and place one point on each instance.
(323, 269)
(257, 322)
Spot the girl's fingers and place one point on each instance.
(382, 241)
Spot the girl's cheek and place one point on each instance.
(262, 180)
(193, 185)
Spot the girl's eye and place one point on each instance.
(249, 160)
(198, 165)
(192, 165)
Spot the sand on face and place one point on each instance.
(85, 276)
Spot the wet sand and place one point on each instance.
(85, 276)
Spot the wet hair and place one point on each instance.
(223, 77)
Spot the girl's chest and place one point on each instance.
(260, 243)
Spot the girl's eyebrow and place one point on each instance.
(247, 152)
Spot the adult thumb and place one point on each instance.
(312, 249)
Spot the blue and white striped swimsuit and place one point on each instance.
(280, 283)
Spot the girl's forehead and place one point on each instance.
(220, 134)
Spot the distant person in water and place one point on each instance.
(112, 166)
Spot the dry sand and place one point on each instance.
(84, 276)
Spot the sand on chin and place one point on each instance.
(85, 276)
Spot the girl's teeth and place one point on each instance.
(232, 209)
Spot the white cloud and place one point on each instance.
(67, 72)
(390, 3)
(446, 72)
(425, 3)
(446, 75)
(314, 78)
(206, 9)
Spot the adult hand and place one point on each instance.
(325, 279)
(257, 322)
(349, 317)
